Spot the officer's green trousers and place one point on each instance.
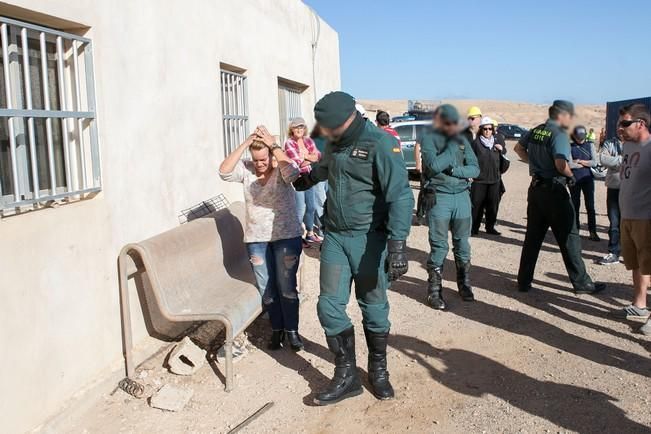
(348, 259)
(550, 206)
(452, 212)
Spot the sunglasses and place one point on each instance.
(628, 123)
(472, 118)
(487, 129)
(450, 124)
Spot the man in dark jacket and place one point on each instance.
(367, 222)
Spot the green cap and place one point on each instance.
(334, 109)
(564, 105)
(448, 112)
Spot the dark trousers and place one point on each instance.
(585, 186)
(420, 212)
(548, 206)
(485, 198)
(612, 203)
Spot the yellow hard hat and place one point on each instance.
(473, 111)
(495, 123)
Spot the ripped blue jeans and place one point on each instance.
(275, 265)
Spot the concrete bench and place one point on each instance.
(198, 271)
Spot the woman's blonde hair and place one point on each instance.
(257, 145)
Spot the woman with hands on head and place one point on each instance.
(272, 232)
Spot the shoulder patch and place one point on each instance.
(396, 150)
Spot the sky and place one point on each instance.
(532, 51)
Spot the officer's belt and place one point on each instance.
(556, 180)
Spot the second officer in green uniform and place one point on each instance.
(367, 221)
(448, 165)
(547, 150)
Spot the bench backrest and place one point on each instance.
(193, 265)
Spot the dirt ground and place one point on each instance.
(546, 361)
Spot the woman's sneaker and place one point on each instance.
(609, 259)
(632, 312)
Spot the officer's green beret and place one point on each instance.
(564, 105)
(334, 109)
(448, 112)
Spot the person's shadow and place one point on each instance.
(297, 361)
(572, 407)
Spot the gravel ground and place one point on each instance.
(546, 361)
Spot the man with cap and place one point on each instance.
(448, 165)
(474, 118)
(367, 222)
(547, 150)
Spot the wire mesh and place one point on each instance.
(204, 208)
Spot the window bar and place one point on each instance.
(80, 135)
(64, 121)
(10, 120)
(90, 101)
(223, 114)
(30, 120)
(48, 121)
(246, 106)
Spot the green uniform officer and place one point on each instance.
(448, 165)
(547, 149)
(367, 221)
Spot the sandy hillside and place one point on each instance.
(543, 362)
(523, 114)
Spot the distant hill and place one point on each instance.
(524, 114)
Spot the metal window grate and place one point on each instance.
(204, 208)
(289, 107)
(235, 110)
(48, 133)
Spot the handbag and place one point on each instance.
(505, 163)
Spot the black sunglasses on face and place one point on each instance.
(487, 129)
(449, 124)
(628, 123)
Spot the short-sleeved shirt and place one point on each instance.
(545, 144)
(635, 186)
(270, 207)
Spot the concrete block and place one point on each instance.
(186, 358)
(171, 398)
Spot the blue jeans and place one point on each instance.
(306, 208)
(275, 265)
(320, 194)
(612, 204)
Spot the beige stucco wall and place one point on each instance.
(159, 117)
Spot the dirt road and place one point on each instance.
(546, 361)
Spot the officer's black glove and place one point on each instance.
(571, 181)
(304, 182)
(396, 264)
(429, 198)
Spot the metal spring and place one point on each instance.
(132, 387)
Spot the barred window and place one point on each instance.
(289, 106)
(235, 109)
(48, 133)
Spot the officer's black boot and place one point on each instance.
(378, 375)
(345, 382)
(434, 288)
(463, 281)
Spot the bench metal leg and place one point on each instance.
(127, 340)
(228, 350)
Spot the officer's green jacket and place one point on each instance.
(368, 188)
(544, 144)
(448, 162)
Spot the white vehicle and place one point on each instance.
(409, 132)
